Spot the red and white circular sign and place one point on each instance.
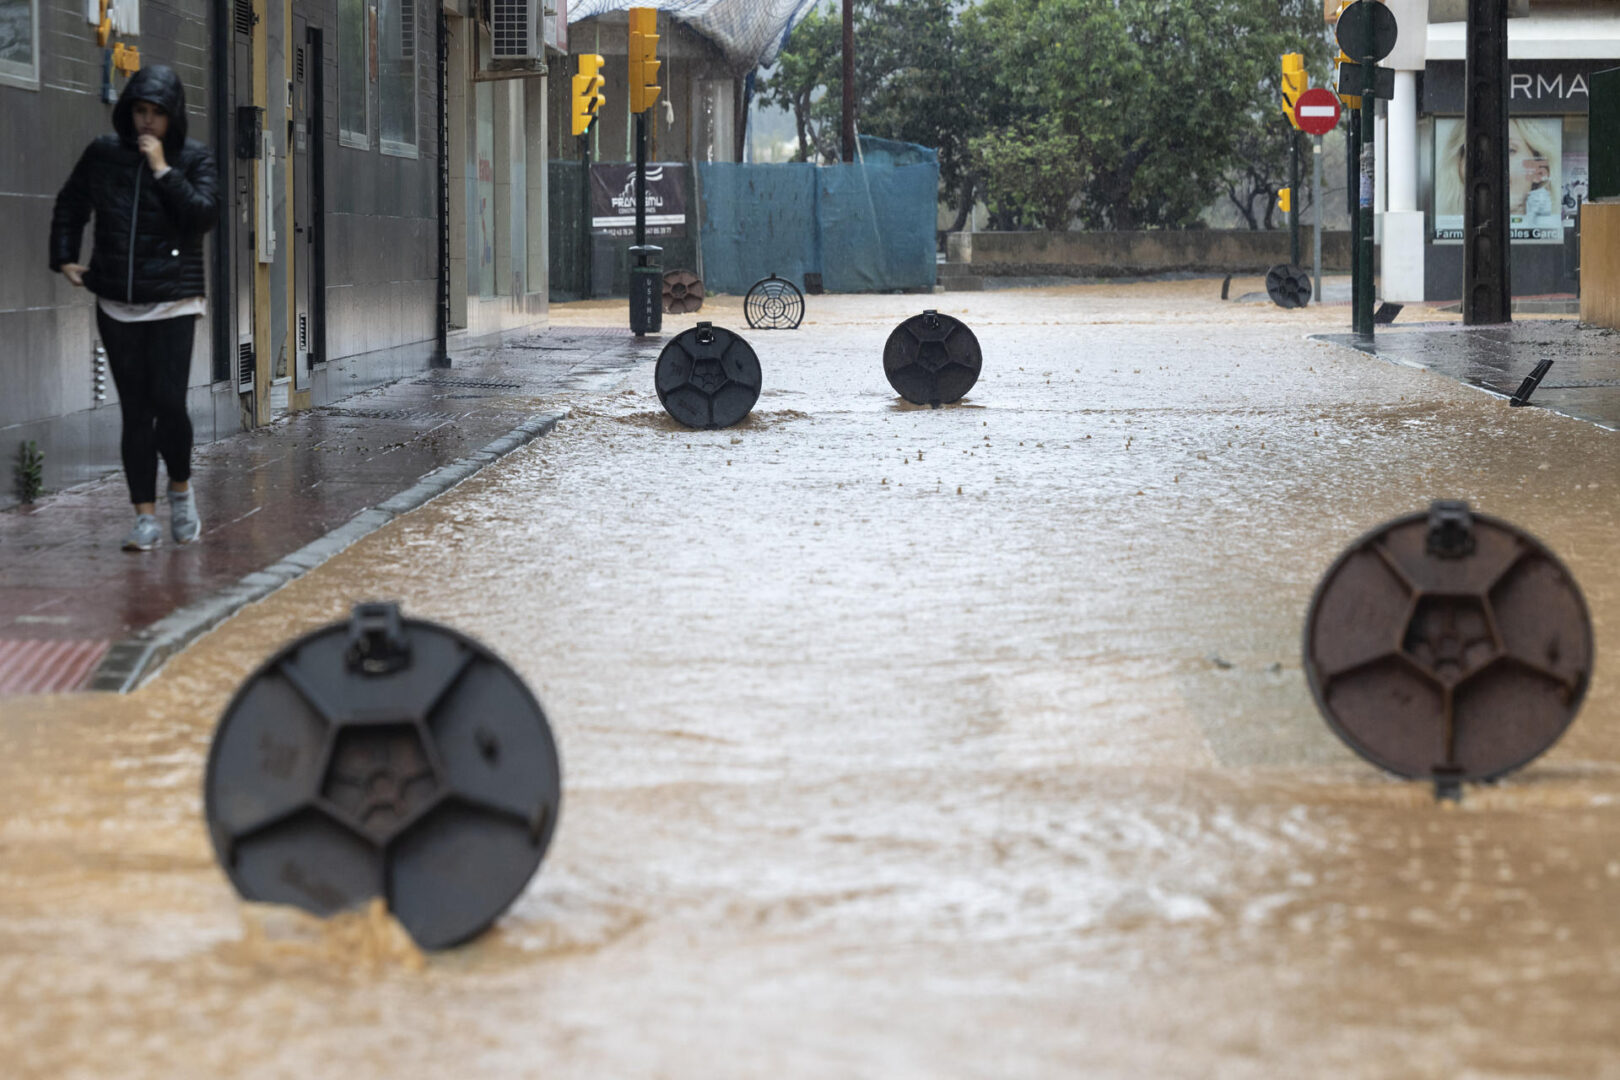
(1317, 110)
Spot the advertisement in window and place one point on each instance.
(1536, 179)
(1575, 166)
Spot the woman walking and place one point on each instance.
(154, 193)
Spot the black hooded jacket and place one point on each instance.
(149, 231)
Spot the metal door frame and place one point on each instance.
(316, 42)
(308, 202)
(222, 111)
(236, 302)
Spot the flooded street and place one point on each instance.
(896, 742)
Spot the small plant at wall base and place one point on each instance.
(30, 471)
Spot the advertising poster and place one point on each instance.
(1535, 179)
(1574, 186)
(613, 199)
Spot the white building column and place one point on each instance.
(1402, 278)
(1403, 143)
(1380, 173)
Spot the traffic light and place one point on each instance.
(1294, 83)
(1351, 101)
(588, 96)
(1285, 199)
(643, 58)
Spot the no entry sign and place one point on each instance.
(1317, 110)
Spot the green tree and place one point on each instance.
(916, 79)
(1167, 104)
(1033, 175)
(803, 71)
(1261, 144)
(920, 77)
(1150, 86)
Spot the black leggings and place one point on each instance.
(151, 364)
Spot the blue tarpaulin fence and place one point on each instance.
(866, 227)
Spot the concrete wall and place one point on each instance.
(1600, 264)
(1128, 254)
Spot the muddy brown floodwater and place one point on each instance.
(896, 743)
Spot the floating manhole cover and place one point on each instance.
(384, 757)
(932, 359)
(1288, 286)
(707, 377)
(1448, 645)
(683, 292)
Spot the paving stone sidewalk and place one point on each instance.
(1583, 382)
(77, 612)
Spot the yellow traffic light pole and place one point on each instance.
(1295, 83)
(646, 293)
(588, 98)
(643, 92)
(588, 102)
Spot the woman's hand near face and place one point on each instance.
(152, 147)
(74, 272)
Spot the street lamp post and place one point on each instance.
(848, 135)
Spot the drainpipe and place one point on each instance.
(441, 332)
(220, 112)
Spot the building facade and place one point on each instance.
(1553, 49)
(382, 202)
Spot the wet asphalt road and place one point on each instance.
(896, 742)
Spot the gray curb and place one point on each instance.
(132, 661)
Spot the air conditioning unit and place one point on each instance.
(516, 30)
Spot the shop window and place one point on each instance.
(19, 43)
(1536, 179)
(1577, 135)
(357, 21)
(397, 46)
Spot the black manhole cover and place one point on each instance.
(932, 359)
(384, 757)
(1448, 645)
(1288, 286)
(707, 377)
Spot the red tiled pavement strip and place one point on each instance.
(45, 667)
(67, 590)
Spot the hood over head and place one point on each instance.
(162, 87)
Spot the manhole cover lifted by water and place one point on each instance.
(384, 757)
(683, 292)
(1448, 645)
(932, 359)
(1288, 286)
(773, 303)
(707, 377)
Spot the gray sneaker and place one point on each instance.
(145, 535)
(183, 520)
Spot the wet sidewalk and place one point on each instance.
(78, 612)
(1583, 382)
